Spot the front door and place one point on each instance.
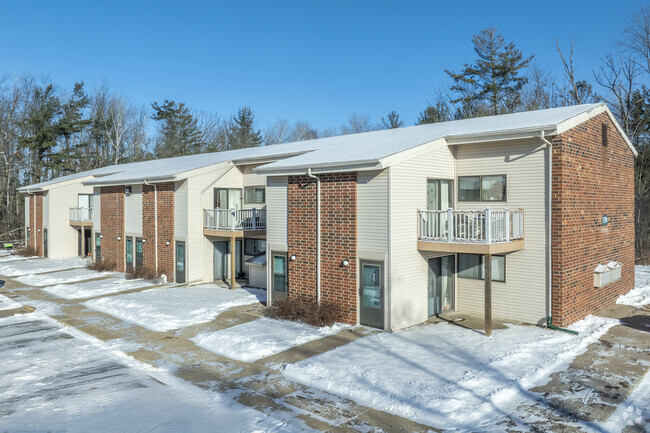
(44, 242)
(441, 285)
(279, 283)
(372, 294)
(139, 257)
(129, 254)
(222, 259)
(180, 262)
(440, 194)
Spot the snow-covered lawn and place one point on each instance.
(13, 257)
(71, 276)
(261, 338)
(166, 309)
(8, 304)
(640, 295)
(90, 289)
(444, 375)
(58, 379)
(26, 267)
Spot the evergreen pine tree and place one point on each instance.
(179, 133)
(392, 121)
(242, 130)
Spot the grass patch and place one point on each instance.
(306, 311)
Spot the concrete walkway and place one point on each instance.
(588, 390)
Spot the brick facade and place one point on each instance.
(338, 240)
(165, 228)
(590, 180)
(112, 224)
(35, 204)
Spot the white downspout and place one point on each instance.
(317, 233)
(549, 239)
(155, 220)
(32, 216)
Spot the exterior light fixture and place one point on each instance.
(604, 220)
(127, 190)
(293, 257)
(167, 243)
(39, 230)
(345, 263)
(101, 236)
(144, 241)
(119, 238)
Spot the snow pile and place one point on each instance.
(640, 295)
(165, 309)
(71, 276)
(91, 289)
(447, 376)
(25, 267)
(8, 304)
(58, 379)
(635, 411)
(262, 337)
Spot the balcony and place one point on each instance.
(81, 216)
(234, 222)
(488, 231)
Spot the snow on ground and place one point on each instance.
(8, 304)
(27, 267)
(71, 276)
(640, 295)
(165, 309)
(447, 376)
(58, 379)
(13, 257)
(91, 289)
(262, 337)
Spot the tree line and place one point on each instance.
(48, 131)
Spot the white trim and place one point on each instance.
(413, 152)
(583, 117)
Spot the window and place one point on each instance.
(85, 200)
(139, 257)
(254, 194)
(482, 188)
(253, 247)
(471, 266)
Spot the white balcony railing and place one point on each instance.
(234, 219)
(457, 226)
(81, 214)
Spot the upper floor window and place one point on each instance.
(254, 194)
(482, 188)
(85, 200)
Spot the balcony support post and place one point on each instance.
(488, 226)
(487, 259)
(233, 259)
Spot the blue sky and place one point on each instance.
(308, 60)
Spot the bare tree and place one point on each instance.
(302, 131)
(541, 90)
(636, 38)
(358, 122)
(574, 91)
(280, 132)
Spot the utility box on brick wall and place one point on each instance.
(602, 276)
(615, 268)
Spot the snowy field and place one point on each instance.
(91, 289)
(8, 304)
(166, 309)
(18, 268)
(447, 376)
(57, 379)
(72, 276)
(640, 295)
(262, 337)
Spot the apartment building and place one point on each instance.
(523, 216)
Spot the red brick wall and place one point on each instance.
(165, 228)
(338, 240)
(112, 225)
(36, 222)
(590, 180)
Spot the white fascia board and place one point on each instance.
(226, 165)
(413, 152)
(55, 185)
(132, 181)
(327, 167)
(583, 117)
(519, 134)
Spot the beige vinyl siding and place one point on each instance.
(27, 210)
(252, 178)
(372, 211)
(257, 276)
(62, 237)
(523, 295)
(199, 249)
(408, 272)
(46, 210)
(133, 211)
(276, 211)
(97, 210)
(180, 210)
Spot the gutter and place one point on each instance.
(318, 240)
(549, 239)
(120, 182)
